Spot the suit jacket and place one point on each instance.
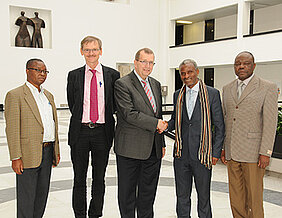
(136, 126)
(24, 128)
(250, 121)
(75, 95)
(191, 128)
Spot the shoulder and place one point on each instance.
(228, 85)
(266, 83)
(212, 90)
(153, 80)
(77, 70)
(15, 93)
(109, 70)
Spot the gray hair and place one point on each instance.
(188, 61)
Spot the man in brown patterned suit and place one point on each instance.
(32, 135)
(250, 110)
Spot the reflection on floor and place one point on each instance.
(59, 202)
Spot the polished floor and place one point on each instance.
(59, 202)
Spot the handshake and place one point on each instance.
(162, 126)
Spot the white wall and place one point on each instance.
(182, 8)
(268, 18)
(123, 28)
(194, 32)
(225, 27)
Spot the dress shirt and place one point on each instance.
(100, 90)
(195, 90)
(46, 112)
(148, 84)
(246, 81)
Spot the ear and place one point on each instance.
(254, 67)
(198, 72)
(81, 51)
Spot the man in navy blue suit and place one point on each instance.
(199, 133)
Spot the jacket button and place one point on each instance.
(237, 107)
(234, 119)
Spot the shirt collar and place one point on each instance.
(140, 79)
(98, 68)
(33, 88)
(246, 81)
(195, 88)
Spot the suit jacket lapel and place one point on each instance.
(252, 85)
(106, 78)
(32, 104)
(48, 96)
(140, 89)
(156, 93)
(81, 79)
(234, 91)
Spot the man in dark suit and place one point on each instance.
(91, 102)
(197, 110)
(138, 146)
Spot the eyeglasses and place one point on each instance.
(151, 63)
(91, 50)
(39, 71)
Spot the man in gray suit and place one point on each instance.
(250, 111)
(139, 144)
(197, 110)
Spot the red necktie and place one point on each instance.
(93, 98)
(149, 94)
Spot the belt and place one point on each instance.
(93, 125)
(46, 144)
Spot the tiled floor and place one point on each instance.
(59, 202)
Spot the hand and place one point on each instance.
(222, 157)
(263, 161)
(58, 161)
(17, 166)
(162, 126)
(163, 150)
(214, 160)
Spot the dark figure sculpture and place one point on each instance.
(37, 24)
(23, 37)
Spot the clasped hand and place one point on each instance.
(162, 126)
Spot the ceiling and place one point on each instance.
(229, 10)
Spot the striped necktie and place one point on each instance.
(93, 98)
(149, 94)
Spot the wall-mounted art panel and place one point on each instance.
(30, 27)
(124, 68)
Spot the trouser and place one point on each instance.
(137, 185)
(245, 189)
(33, 187)
(90, 141)
(185, 170)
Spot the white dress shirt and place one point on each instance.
(46, 112)
(194, 96)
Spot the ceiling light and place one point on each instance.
(184, 21)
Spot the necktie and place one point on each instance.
(241, 87)
(149, 94)
(93, 98)
(190, 103)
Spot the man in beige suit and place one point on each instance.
(32, 135)
(250, 110)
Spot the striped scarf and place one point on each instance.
(205, 149)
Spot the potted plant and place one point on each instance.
(277, 149)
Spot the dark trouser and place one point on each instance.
(33, 187)
(184, 170)
(137, 185)
(94, 141)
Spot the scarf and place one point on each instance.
(205, 149)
